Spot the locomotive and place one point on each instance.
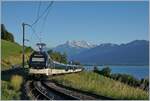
(40, 63)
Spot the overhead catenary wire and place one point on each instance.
(33, 30)
(38, 10)
(35, 33)
(31, 26)
(50, 4)
(39, 16)
(46, 11)
(44, 21)
(39, 6)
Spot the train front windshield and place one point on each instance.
(38, 60)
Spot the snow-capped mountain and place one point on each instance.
(80, 44)
(73, 47)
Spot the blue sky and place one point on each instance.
(95, 22)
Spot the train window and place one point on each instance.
(37, 55)
(38, 59)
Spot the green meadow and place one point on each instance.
(97, 84)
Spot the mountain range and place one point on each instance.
(72, 48)
(132, 53)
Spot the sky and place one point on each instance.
(96, 22)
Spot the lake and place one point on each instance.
(137, 71)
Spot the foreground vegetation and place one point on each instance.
(11, 89)
(12, 84)
(8, 93)
(11, 54)
(97, 84)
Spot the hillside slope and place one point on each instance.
(9, 48)
(11, 54)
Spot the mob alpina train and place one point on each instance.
(40, 63)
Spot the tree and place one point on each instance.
(75, 62)
(57, 56)
(106, 71)
(28, 49)
(50, 51)
(63, 58)
(95, 69)
(5, 35)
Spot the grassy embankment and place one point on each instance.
(11, 54)
(97, 84)
(11, 80)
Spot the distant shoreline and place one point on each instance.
(114, 65)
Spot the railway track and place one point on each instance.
(35, 90)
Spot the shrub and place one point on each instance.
(106, 71)
(7, 93)
(28, 49)
(95, 69)
(144, 84)
(126, 78)
(16, 82)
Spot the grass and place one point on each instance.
(100, 85)
(11, 54)
(16, 82)
(9, 49)
(12, 84)
(8, 92)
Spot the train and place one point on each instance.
(40, 63)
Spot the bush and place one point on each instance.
(96, 70)
(16, 82)
(106, 71)
(28, 49)
(7, 93)
(144, 84)
(126, 78)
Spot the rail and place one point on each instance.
(35, 91)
